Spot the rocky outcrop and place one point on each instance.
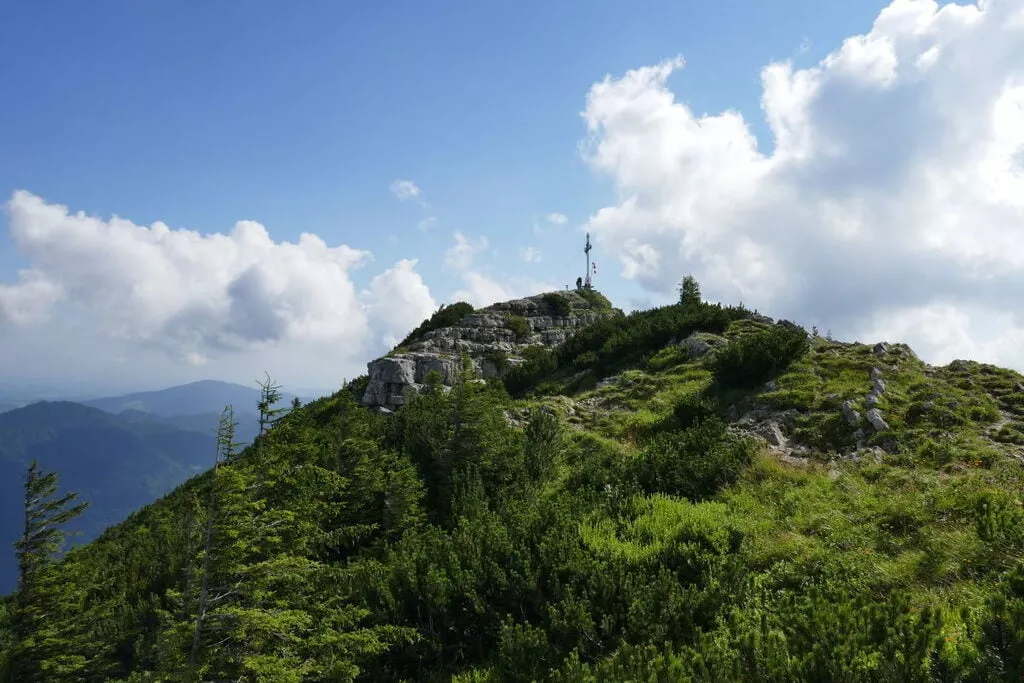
(699, 344)
(493, 339)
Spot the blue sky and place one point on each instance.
(301, 116)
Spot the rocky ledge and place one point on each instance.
(493, 338)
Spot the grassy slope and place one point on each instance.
(911, 517)
(905, 518)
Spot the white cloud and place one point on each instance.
(30, 300)
(550, 220)
(398, 300)
(894, 187)
(530, 254)
(478, 287)
(405, 190)
(482, 290)
(426, 223)
(461, 254)
(194, 298)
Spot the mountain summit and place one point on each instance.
(494, 340)
(692, 492)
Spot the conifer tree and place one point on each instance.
(689, 291)
(270, 394)
(42, 620)
(226, 453)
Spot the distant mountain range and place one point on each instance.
(205, 396)
(119, 453)
(115, 463)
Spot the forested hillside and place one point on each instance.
(688, 493)
(116, 464)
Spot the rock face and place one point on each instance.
(493, 338)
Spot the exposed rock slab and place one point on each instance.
(487, 337)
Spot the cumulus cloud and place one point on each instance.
(481, 290)
(530, 254)
(405, 190)
(461, 254)
(397, 301)
(892, 188)
(198, 297)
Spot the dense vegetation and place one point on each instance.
(616, 343)
(119, 462)
(619, 532)
(558, 304)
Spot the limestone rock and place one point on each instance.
(699, 344)
(851, 416)
(881, 348)
(773, 434)
(876, 373)
(486, 337)
(874, 417)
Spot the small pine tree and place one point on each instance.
(270, 394)
(689, 291)
(42, 621)
(226, 447)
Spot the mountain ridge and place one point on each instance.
(202, 396)
(691, 492)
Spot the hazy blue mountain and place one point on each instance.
(205, 396)
(118, 463)
(247, 422)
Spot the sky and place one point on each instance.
(220, 189)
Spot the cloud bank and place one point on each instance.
(888, 203)
(193, 297)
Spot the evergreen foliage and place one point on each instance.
(616, 343)
(597, 300)
(689, 291)
(42, 619)
(558, 304)
(471, 536)
(519, 325)
(756, 358)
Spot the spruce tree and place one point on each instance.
(226, 453)
(270, 394)
(689, 291)
(42, 620)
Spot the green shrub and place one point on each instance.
(691, 409)
(694, 463)
(559, 304)
(499, 358)
(617, 343)
(755, 358)
(668, 357)
(520, 327)
(596, 300)
(623, 342)
(540, 363)
(585, 361)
